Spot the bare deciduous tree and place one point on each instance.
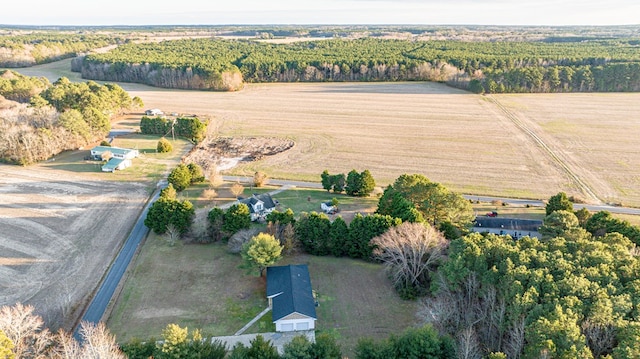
(240, 238)
(98, 343)
(213, 176)
(409, 252)
(173, 234)
(260, 179)
(468, 345)
(601, 337)
(236, 189)
(26, 330)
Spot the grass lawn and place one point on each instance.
(200, 286)
(308, 200)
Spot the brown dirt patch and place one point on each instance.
(215, 150)
(59, 235)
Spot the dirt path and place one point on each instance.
(556, 155)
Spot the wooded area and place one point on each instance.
(495, 67)
(37, 48)
(46, 119)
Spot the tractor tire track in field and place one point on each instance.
(577, 181)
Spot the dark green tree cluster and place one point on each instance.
(177, 343)
(17, 87)
(207, 65)
(221, 224)
(354, 183)
(319, 236)
(482, 66)
(168, 210)
(561, 219)
(559, 202)
(183, 176)
(333, 183)
(359, 184)
(559, 298)
(191, 128)
(40, 47)
(413, 343)
(414, 198)
(602, 223)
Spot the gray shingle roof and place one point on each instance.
(265, 198)
(290, 287)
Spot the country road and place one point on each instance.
(512, 201)
(102, 297)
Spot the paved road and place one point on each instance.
(511, 201)
(103, 296)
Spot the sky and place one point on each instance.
(317, 12)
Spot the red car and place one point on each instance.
(492, 214)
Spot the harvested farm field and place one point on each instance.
(595, 135)
(60, 231)
(449, 135)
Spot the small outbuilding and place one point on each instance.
(293, 307)
(154, 112)
(116, 164)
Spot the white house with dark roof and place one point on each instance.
(293, 307)
(260, 205)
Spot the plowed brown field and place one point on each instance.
(59, 232)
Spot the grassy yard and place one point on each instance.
(200, 286)
(308, 200)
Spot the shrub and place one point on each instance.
(164, 146)
(260, 179)
(197, 174)
(180, 177)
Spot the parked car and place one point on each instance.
(492, 214)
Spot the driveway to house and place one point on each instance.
(511, 201)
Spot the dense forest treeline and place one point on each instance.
(599, 65)
(31, 49)
(39, 119)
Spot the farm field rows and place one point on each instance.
(59, 234)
